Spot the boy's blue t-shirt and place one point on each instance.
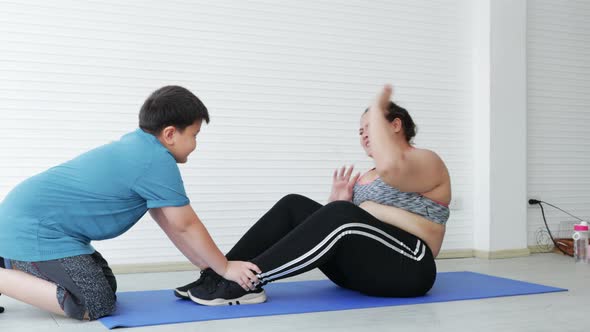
(98, 195)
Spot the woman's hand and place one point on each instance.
(241, 272)
(342, 184)
(381, 103)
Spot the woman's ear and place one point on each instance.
(396, 124)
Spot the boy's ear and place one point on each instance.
(167, 135)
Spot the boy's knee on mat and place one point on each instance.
(89, 309)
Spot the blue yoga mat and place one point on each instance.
(161, 307)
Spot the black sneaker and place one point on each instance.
(207, 276)
(225, 292)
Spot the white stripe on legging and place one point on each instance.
(276, 276)
(417, 247)
(334, 232)
(268, 276)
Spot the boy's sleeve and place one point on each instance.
(161, 184)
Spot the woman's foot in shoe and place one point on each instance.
(207, 276)
(225, 292)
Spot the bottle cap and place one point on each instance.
(582, 227)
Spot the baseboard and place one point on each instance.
(540, 249)
(455, 253)
(186, 266)
(153, 267)
(445, 254)
(467, 253)
(498, 254)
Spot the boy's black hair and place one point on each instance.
(394, 111)
(171, 105)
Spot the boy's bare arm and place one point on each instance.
(189, 235)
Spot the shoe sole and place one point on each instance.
(252, 298)
(180, 294)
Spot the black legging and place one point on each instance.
(350, 246)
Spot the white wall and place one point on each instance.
(285, 83)
(500, 127)
(558, 49)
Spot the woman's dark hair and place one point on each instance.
(395, 111)
(171, 106)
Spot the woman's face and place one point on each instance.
(364, 134)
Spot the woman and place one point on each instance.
(378, 235)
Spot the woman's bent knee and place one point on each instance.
(292, 199)
(341, 207)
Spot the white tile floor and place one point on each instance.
(564, 311)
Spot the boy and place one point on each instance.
(48, 221)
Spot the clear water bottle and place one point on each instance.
(581, 242)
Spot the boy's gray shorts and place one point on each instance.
(85, 283)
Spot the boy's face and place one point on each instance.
(181, 143)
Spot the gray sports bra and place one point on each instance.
(382, 193)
